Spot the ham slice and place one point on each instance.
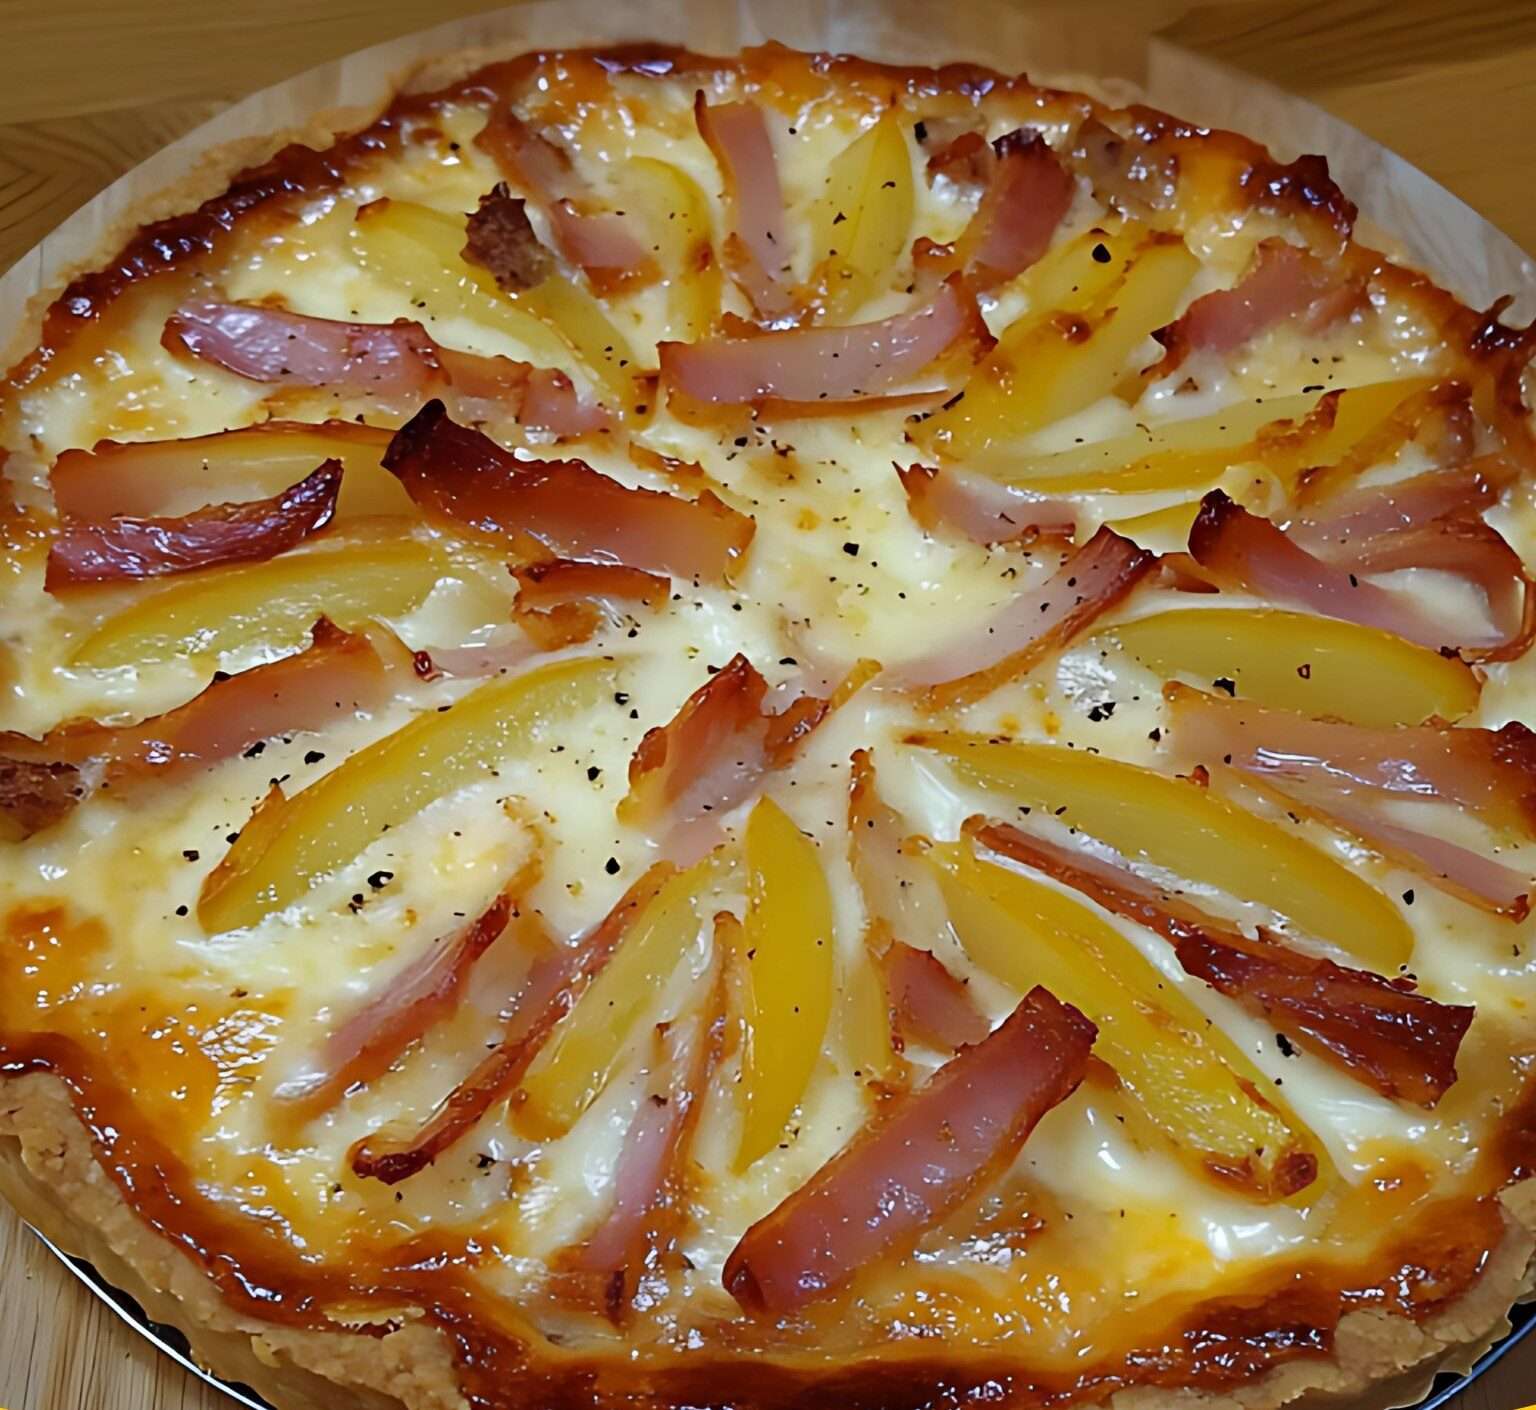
(397, 362)
(915, 1163)
(979, 508)
(803, 371)
(1091, 580)
(715, 752)
(928, 1003)
(650, 1181)
(554, 983)
(1398, 1042)
(561, 507)
(124, 548)
(369, 1042)
(757, 247)
(1283, 282)
(338, 674)
(1236, 549)
(1028, 192)
(1345, 772)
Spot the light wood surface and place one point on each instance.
(94, 86)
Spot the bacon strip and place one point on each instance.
(1400, 1043)
(1091, 580)
(600, 243)
(367, 1044)
(911, 1166)
(561, 601)
(124, 548)
(1028, 193)
(805, 370)
(35, 795)
(1433, 521)
(1240, 550)
(339, 673)
(1341, 770)
(563, 507)
(756, 249)
(388, 360)
(1283, 282)
(927, 1002)
(715, 751)
(981, 508)
(554, 984)
(650, 1183)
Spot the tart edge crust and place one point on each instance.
(50, 1177)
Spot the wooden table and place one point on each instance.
(1451, 84)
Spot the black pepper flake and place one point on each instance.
(190, 854)
(592, 772)
(1225, 683)
(1315, 387)
(232, 838)
(1305, 670)
(1101, 254)
(1285, 1045)
(314, 756)
(1102, 711)
(1408, 896)
(181, 910)
(611, 866)
(920, 130)
(851, 549)
(1155, 735)
(255, 749)
(621, 697)
(380, 879)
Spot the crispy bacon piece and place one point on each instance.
(1433, 521)
(598, 242)
(965, 159)
(1283, 282)
(561, 601)
(1400, 1043)
(1344, 772)
(982, 509)
(369, 1042)
(650, 1181)
(1129, 172)
(35, 795)
(500, 238)
(1091, 580)
(554, 983)
(916, 1162)
(1027, 195)
(562, 507)
(800, 371)
(339, 673)
(715, 751)
(756, 249)
(927, 1002)
(1239, 550)
(388, 360)
(124, 548)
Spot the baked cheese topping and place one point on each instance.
(1022, 574)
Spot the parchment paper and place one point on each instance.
(1414, 217)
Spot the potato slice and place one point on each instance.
(1044, 370)
(577, 1062)
(788, 963)
(677, 215)
(219, 610)
(1183, 828)
(861, 223)
(1190, 1078)
(291, 844)
(1320, 666)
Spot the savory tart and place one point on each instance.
(771, 731)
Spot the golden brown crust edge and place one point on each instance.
(49, 1174)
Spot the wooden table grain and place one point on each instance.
(94, 86)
